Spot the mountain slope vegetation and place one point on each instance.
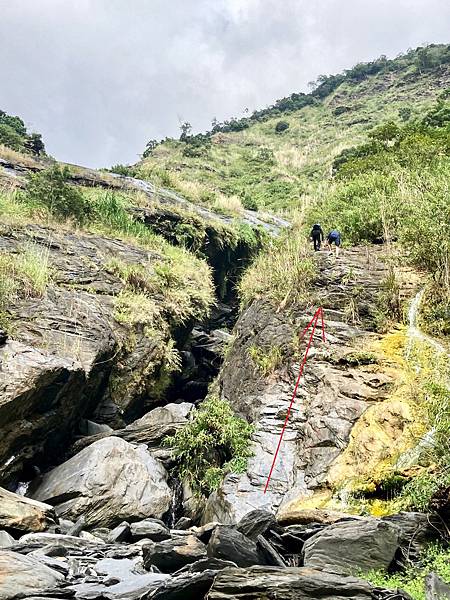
(278, 158)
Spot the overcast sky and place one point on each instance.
(98, 78)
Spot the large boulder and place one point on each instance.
(40, 395)
(170, 555)
(25, 576)
(229, 544)
(24, 514)
(287, 584)
(351, 547)
(108, 482)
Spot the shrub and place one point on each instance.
(435, 559)
(50, 188)
(281, 126)
(214, 443)
(9, 137)
(22, 275)
(124, 170)
(266, 359)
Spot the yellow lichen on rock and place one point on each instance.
(385, 431)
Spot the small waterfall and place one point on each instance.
(414, 333)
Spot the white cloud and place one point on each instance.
(100, 77)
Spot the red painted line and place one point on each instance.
(319, 312)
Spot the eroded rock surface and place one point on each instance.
(335, 389)
(106, 483)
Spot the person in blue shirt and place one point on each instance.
(334, 237)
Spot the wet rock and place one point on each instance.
(171, 555)
(24, 514)
(288, 584)
(6, 540)
(25, 576)
(131, 588)
(435, 588)
(229, 544)
(352, 546)
(149, 529)
(107, 482)
(256, 523)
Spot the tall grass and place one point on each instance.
(282, 273)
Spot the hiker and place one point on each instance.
(316, 236)
(334, 237)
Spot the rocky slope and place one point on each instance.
(341, 381)
(100, 524)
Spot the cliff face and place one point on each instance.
(348, 381)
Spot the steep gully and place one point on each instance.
(107, 542)
(106, 492)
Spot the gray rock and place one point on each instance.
(229, 544)
(417, 530)
(183, 523)
(352, 546)
(108, 482)
(192, 586)
(119, 534)
(40, 398)
(24, 514)
(289, 583)
(164, 415)
(57, 539)
(171, 555)
(269, 554)
(149, 529)
(25, 576)
(6, 540)
(129, 589)
(435, 588)
(206, 564)
(256, 523)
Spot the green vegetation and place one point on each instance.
(50, 189)
(215, 442)
(435, 559)
(22, 275)
(281, 274)
(266, 359)
(281, 171)
(14, 135)
(433, 398)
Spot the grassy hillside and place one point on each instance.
(281, 171)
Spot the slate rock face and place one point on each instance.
(170, 555)
(352, 546)
(24, 576)
(108, 482)
(24, 514)
(331, 399)
(40, 396)
(287, 584)
(229, 544)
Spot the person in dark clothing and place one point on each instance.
(317, 236)
(334, 237)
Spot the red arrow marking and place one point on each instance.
(313, 322)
